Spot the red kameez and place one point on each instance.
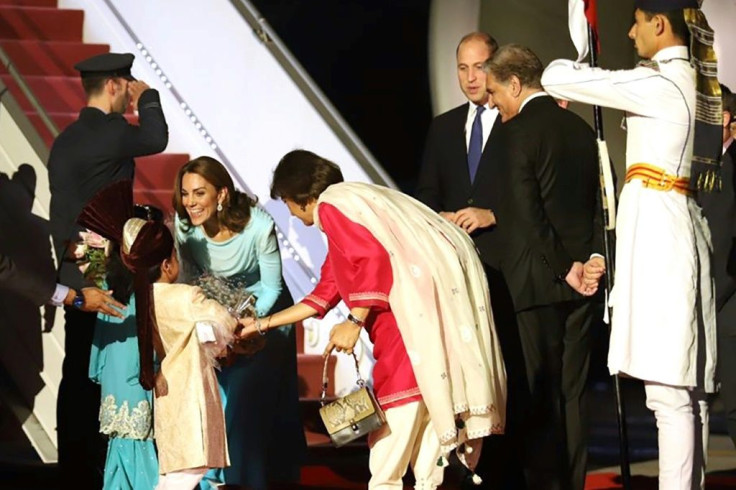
(357, 270)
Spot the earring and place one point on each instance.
(219, 207)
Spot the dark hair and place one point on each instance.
(677, 20)
(235, 212)
(729, 102)
(301, 176)
(479, 36)
(93, 85)
(516, 60)
(118, 277)
(148, 212)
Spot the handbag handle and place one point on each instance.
(325, 380)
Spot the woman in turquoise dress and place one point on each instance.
(126, 408)
(222, 232)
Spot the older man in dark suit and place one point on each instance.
(720, 210)
(547, 191)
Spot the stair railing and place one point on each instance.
(50, 125)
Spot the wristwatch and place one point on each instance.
(78, 301)
(360, 323)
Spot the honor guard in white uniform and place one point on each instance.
(663, 325)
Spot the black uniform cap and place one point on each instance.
(114, 65)
(665, 5)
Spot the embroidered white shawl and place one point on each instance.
(441, 302)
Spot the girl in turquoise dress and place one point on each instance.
(220, 231)
(126, 408)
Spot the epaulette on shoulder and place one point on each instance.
(653, 64)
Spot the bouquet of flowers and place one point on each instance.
(91, 254)
(231, 294)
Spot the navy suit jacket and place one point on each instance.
(444, 180)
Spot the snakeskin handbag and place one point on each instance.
(351, 416)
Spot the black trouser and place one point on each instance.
(81, 446)
(552, 435)
(726, 323)
(499, 465)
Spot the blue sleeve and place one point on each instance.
(270, 285)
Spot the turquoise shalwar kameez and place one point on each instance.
(126, 408)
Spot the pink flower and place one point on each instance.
(92, 239)
(83, 267)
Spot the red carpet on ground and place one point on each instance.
(611, 481)
(324, 477)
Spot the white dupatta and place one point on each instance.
(441, 303)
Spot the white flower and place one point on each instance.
(80, 249)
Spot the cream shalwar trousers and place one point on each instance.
(408, 437)
(181, 480)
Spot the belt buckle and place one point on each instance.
(666, 182)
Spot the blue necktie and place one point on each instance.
(475, 148)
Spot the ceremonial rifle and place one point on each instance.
(608, 211)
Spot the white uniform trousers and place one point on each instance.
(181, 480)
(682, 423)
(408, 437)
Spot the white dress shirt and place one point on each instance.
(532, 96)
(59, 295)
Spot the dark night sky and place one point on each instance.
(370, 59)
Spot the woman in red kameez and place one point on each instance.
(415, 283)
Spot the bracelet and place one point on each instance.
(360, 323)
(258, 326)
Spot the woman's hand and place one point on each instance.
(248, 330)
(343, 338)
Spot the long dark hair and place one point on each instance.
(235, 212)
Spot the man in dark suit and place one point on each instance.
(42, 291)
(547, 213)
(719, 209)
(91, 153)
(460, 148)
